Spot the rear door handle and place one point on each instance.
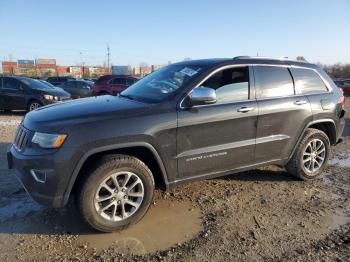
(300, 102)
(245, 109)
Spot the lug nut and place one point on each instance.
(118, 202)
(125, 197)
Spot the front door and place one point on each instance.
(219, 137)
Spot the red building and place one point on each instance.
(9, 67)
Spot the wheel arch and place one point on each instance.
(141, 150)
(32, 99)
(327, 125)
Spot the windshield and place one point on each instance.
(161, 84)
(36, 84)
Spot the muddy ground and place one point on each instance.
(261, 215)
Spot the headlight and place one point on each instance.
(50, 97)
(48, 140)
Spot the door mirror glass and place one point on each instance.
(202, 96)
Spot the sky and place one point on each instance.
(158, 31)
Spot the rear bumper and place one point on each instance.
(43, 177)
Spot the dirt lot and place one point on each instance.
(264, 214)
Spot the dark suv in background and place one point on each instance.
(112, 84)
(56, 81)
(77, 88)
(23, 93)
(188, 121)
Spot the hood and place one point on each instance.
(55, 92)
(86, 110)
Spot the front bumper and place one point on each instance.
(50, 187)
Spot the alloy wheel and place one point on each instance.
(119, 196)
(314, 156)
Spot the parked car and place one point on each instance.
(77, 88)
(90, 79)
(112, 84)
(22, 93)
(56, 81)
(187, 121)
(344, 85)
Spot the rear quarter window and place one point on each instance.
(273, 81)
(307, 81)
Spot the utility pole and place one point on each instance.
(108, 58)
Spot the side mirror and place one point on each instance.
(202, 96)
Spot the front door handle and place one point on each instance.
(245, 109)
(300, 102)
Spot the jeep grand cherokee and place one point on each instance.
(187, 121)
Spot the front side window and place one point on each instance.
(273, 81)
(230, 84)
(130, 81)
(308, 81)
(118, 81)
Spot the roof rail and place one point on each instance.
(285, 58)
(260, 57)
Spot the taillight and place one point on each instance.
(342, 101)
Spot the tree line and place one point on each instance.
(338, 70)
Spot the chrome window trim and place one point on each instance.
(330, 89)
(206, 78)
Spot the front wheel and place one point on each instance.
(116, 194)
(34, 105)
(311, 156)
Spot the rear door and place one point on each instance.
(219, 137)
(13, 94)
(283, 114)
(309, 83)
(118, 85)
(71, 88)
(83, 88)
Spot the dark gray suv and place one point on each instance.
(187, 121)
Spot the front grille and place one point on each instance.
(21, 138)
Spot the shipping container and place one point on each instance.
(43, 61)
(121, 70)
(52, 66)
(25, 62)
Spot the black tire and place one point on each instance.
(90, 184)
(296, 165)
(104, 93)
(34, 104)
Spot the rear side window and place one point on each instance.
(308, 81)
(273, 81)
(10, 83)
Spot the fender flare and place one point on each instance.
(101, 149)
(323, 120)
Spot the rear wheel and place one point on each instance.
(116, 194)
(34, 105)
(311, 156)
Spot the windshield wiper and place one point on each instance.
(127, 96)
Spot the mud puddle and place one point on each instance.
(166, 224)
(340, 218)
(342, 160)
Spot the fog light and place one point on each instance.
(39, 176)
